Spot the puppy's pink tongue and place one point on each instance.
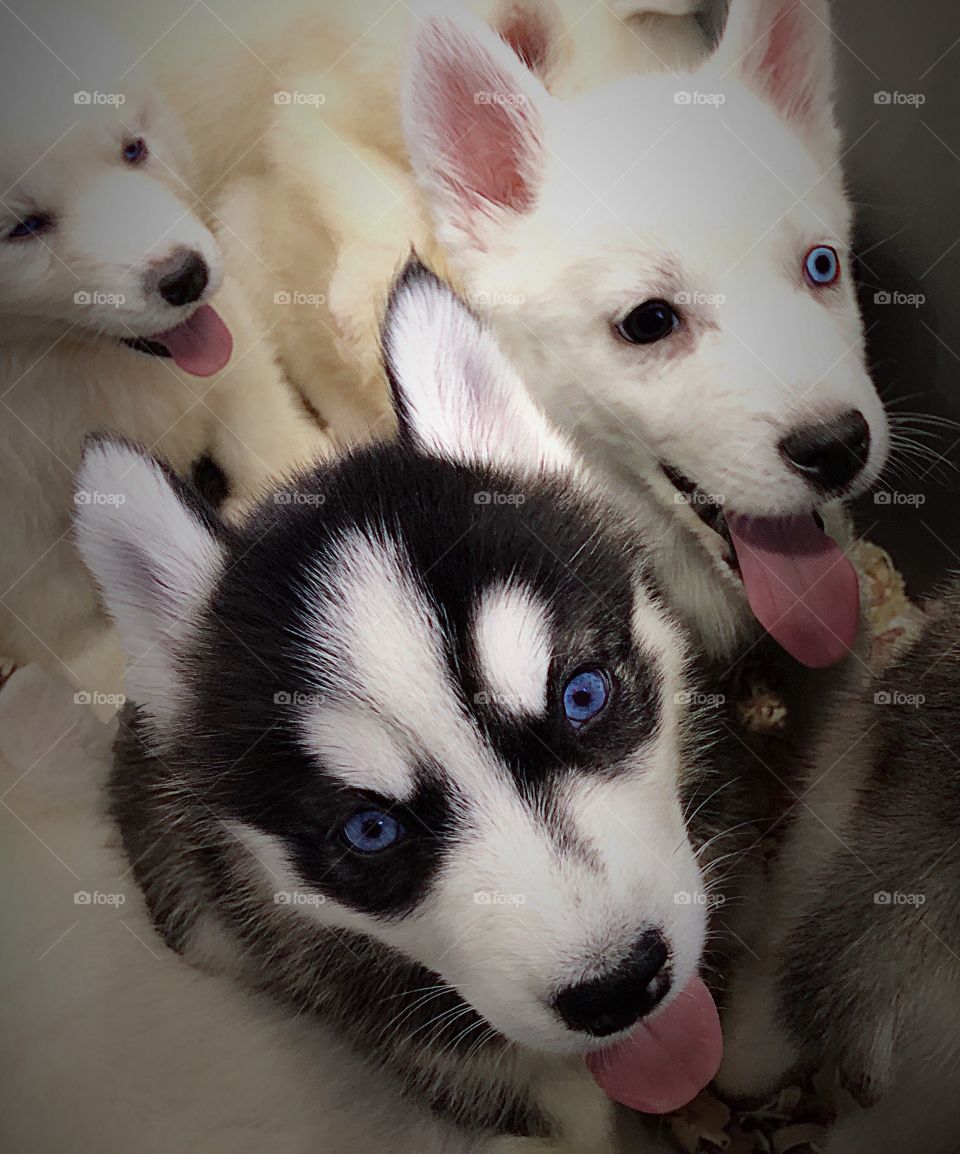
(801, 587)
(202, 345)
(666, 1062)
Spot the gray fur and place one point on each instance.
(860, 959)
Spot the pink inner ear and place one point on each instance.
(489, 135)
(528, 35)
(785, 61)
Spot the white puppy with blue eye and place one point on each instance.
(396, 778)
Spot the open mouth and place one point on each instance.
(706, 507)
(799, 584)
(201, 345)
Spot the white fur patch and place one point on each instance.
(370, 613)
(359, 749)
(378, 623)
(512, 634)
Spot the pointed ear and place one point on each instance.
(153, 548)
(783, 49)
(456, 394)
(473, 120)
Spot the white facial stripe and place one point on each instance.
(357, 748)
(375, 619)
(270, 865)
(512, 635)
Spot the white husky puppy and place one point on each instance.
(402, 771)
(106, 277)
(668, 262)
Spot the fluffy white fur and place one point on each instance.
(334, 159)
(63, 371)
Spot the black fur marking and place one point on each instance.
(210, 481)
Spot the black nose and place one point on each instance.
(830, 454)
(186, 282)
(615, 1002)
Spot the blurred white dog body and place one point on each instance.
(106, 272)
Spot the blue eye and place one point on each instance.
(585, 696)
(372, 830)
(822, 266)
(135, 151)
(30, 226)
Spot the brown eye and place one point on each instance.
(135, 152)
(649, 323)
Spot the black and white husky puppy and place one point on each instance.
(860, 965)
(405, 759)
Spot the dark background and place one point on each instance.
(905, 176)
